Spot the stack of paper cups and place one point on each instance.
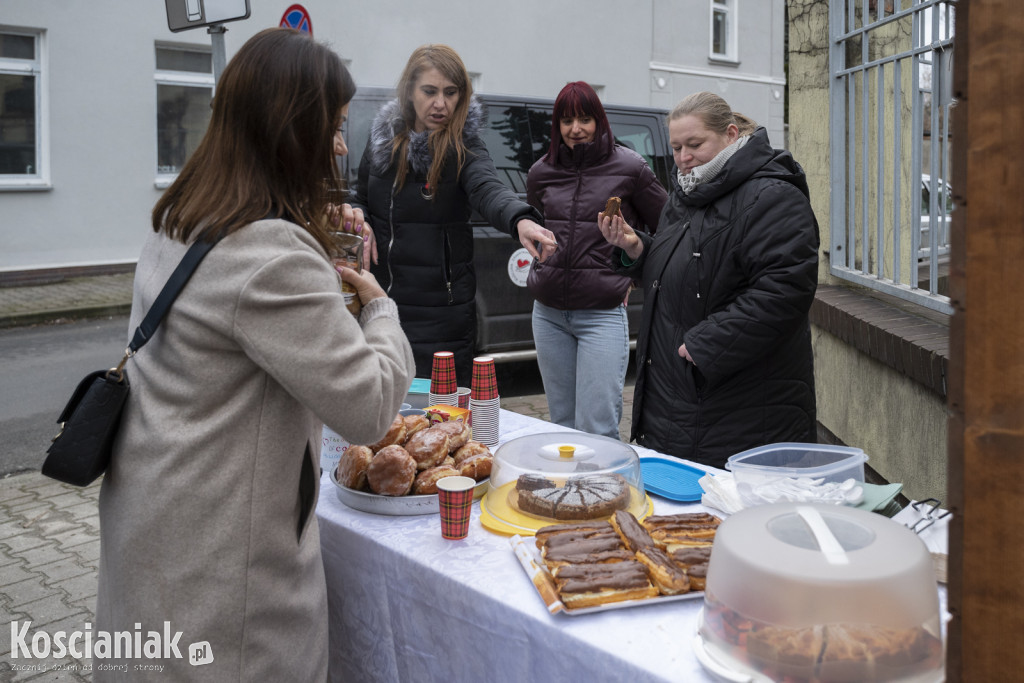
(484, 401)
(443, 386)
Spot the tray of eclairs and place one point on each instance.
(619, 562)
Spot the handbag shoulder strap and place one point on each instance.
(179, 278)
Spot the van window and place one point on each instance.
(641, 139)
(507, 137)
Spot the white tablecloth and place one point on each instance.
(407, 605)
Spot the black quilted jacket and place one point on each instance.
(425, 247)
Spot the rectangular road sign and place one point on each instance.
(183, 15)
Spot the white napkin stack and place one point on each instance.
(720, 493)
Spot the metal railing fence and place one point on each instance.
(890, 99)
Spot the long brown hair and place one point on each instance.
(270, 143)
(443, 140)
(715, 112)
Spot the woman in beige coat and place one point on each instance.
(207, 511)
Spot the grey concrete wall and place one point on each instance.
(101, 95)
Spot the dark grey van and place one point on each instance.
(518, 133)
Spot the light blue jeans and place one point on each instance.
(582, 357)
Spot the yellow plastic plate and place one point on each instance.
(498, 516)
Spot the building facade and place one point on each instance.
(100, 103)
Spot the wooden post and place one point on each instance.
(986, 383)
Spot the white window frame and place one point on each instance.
(730, 10)
(40, 180)
(192, 79)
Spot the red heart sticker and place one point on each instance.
(522, 263)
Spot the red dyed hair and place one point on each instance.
(579, 99)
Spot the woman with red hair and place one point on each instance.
(580, 327)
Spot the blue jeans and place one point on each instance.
(582, 357)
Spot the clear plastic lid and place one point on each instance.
(559, 477)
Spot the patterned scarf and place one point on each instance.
(705, 173)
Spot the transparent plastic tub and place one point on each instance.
(798, 472)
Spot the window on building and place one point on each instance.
(184, 88)
(723, 29)
(22, 153)
(892, 106)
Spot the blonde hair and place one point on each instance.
(715, 112)
(443, 140)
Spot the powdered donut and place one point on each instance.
(395, 435)
(414, 423)
(352, 467)
(428, 447)
(426, 481)
(391, 472)
(476, 466)
(470, 448)
(458, 433)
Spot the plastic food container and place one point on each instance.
(419, 393)
(563, 477)
(820, 593)
(779, 471)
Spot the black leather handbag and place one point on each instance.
(81, 451)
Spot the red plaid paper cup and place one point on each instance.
(455, 500)
(442, 374)
(485, 382)
(464, 393)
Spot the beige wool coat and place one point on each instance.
(207, 510)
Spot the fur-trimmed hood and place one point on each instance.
(388, 123)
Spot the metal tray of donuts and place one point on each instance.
(395, 505)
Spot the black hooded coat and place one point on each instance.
(731, 273)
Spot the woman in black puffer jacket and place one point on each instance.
(724, 353)
(423, 171)
(579, 318)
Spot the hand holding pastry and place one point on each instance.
(617, 232)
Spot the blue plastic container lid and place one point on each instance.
(672, 479)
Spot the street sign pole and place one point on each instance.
(220, 60)
(183, 15)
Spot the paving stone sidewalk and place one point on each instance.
(49, 553)
(80, 297)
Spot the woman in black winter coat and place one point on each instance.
(423, 171)
(724, 353)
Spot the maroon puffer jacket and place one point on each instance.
(570, 194)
